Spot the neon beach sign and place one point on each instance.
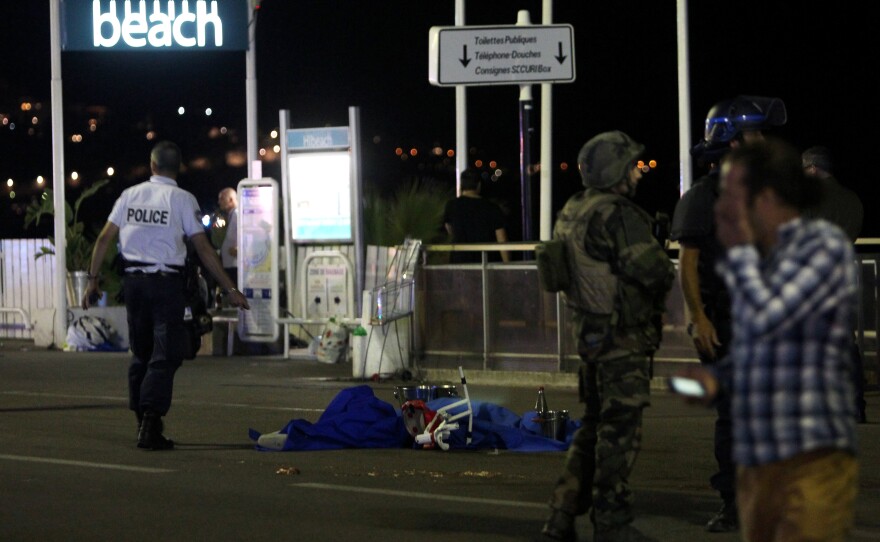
(154, 25)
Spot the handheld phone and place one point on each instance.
(686, 386)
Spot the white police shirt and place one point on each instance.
(230, 240)
(153, 218)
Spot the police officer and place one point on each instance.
(152, 219)
(729, 124)
(620, 277)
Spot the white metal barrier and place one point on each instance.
(25, 285)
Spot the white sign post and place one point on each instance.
(258, 259)
(500, 55)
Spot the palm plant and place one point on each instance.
(414, 210)
(79, 246)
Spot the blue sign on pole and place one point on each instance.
(310, 139)
(154, 25)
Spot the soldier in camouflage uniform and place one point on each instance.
(619, 279)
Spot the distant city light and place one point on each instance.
(563, 166)
(450, 153)
(35, 120)
(646, 167)
(498, 172)
(478, 163)
(40, 179)
(208, 112)
(398, 151)
(181, 110)
(9, 182)
(437, 151)
(262, 152)
(273, 134)
(110, 171)
(74, 175)
(413, 152)
(151, 135)
(277, 148)
(76, 138)
(26, 106)
(223, 130)
(493, 164)
(12, 195)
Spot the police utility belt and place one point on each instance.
(132, 268)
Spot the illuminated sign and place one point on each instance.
(320, 194)
(154, 25)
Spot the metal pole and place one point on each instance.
(251, 88)
(525, 158)
(461, 144)
(60, 328)
(357, 220)
(525, 144)
(684, 99)
(546, 215)
(283, 126)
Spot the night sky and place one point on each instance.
(318, 57)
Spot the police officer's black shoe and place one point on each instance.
(559, 526)
(726, 520)
(150, 435)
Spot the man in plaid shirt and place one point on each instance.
(789, 371)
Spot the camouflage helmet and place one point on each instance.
(607, 159)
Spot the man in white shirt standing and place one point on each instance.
(228, 201)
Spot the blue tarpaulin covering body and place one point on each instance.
(356, 418)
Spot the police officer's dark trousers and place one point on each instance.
(723, 481)
(155, 304)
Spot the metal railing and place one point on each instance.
(495, 316)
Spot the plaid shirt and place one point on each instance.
(790, 370)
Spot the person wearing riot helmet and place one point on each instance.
(152, 218)
(729, 124)
(789, 371)
(619, 279)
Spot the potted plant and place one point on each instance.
(79, 246)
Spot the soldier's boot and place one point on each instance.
(559, 526)
(150, 435)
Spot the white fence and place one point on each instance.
(26, 284)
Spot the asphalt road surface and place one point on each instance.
(70, 470)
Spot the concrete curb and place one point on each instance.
(519, 378)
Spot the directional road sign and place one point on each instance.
(500, 55)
